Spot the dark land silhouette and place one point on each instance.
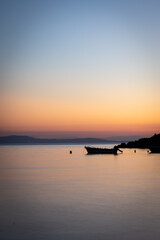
(14, 139)
(27, 140)
(153, 141)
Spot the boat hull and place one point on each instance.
(93, 150)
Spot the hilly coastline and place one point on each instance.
(142, 142)
(27, 140)
(14, 139)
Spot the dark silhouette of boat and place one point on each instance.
(154, 149)
(94, 150)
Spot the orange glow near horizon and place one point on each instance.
(80, 67)
(27, 114)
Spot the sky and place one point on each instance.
(79, 68)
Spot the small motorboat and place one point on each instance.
(94, 150)
(155, 149)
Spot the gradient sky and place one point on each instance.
(80, 66)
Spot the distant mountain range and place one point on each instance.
(14, 139)
(141, 143)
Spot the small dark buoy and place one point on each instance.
(70, 152)
(135, 151)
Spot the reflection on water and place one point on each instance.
(46, 193)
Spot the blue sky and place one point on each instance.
(81, 51)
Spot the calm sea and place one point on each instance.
(47, 193)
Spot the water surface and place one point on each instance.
(47, 193)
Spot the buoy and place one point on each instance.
(70, 152)
(135, 151)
